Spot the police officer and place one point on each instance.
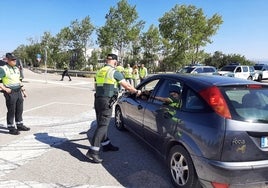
(65, 72)
(12, 88)
(107, 80)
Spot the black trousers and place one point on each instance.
(103, 116)
(65, 73)
(14, 104)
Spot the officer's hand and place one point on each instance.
(7, 90)
(24, 94)
(138, 93)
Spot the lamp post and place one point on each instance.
(45, 49)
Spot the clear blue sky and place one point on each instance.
(244, 30)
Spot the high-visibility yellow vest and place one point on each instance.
(143, 72)
(106, 85)
(128, 72)
(12, 77)
(120, 68)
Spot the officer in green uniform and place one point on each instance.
(65, 72)
(13, 92)
(107, 80)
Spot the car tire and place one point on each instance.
(181, 167)
(259, 78)
(119, 122)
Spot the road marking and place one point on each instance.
(21, 151)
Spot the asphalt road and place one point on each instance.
(52, 154)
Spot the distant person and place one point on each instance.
(135, 75)
(128, 73)
(107, 79)
(14, 93)
(121, 69)
(143, 72)
(65, 72)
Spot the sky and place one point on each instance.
(244, 30)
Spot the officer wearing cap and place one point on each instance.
(13, 91)
(107, 81)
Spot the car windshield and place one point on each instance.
(257, 67)
(187, 70)
(248, 103)
(228, 68)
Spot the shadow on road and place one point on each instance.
(135, 164)
(64, 144)
(3, 129)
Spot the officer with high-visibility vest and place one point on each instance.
(143, 72)
(128, 73)
(14, 92)
(107, 80)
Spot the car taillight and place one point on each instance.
(219, 185)
(215, 99)
(254, 86)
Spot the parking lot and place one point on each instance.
(61, 117)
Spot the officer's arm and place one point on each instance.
(129, 87)
(2, 74)
(163, 99)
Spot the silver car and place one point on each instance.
(198, 69)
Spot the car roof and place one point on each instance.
(203, 81)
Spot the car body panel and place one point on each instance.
(262, 71)
(222, 149)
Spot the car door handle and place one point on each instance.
(140, 107)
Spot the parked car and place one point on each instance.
(216, 138)
(239, 71)
(262, 71)
(198, 69)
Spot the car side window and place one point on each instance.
(245, 69)
(238, 69)
(194, 102)
(147, 89)
(169, 89)
(198, 70)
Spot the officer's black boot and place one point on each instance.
(109, 147)
(13, 130)
(94, 156)
(22, 127)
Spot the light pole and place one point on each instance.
(45, 63)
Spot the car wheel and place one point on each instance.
(181, 168)
(249, 78)
(259, 78)
(119, 123)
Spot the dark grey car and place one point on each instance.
(216, 138)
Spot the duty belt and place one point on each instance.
(16, 90)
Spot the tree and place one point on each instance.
(76, 38)
(151, 43)
(120, 29)
(218, 59)
(186, 30)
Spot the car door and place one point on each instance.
(137, 105)
(238, 72)
(159, 117)
(265, 72)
